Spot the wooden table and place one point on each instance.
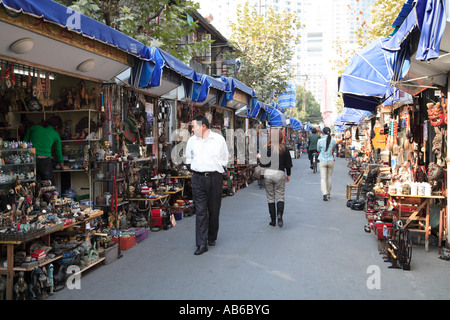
(423, 202)
(163, 198)
(183, 181)
(152, 199)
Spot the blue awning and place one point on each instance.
(255, 110)
(274, 117)
(425, 19)
(179, 67)
(288, 99)
(403, 32)
(373, 72)
(350, 115)
(295, 124)
(154, 70)
(431, 30)
(367, 80)
(150, 74)
(229, 97)
(239, 85)
(147, 73)
(232, 84)
(338, 120)
(429, 17)
(404, 12)
(56, 13)
(200, 91)
(276, 106)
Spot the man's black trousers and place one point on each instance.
(207, 196)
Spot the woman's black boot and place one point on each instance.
(273, 214)
(280, 210)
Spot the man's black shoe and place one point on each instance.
(200, 250)
(325, 197)
(211, 243)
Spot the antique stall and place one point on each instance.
(402, 188)
(55, 62)
(411, 173)
(293, 137)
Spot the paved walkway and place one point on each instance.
(322, 252)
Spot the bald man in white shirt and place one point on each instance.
(207, 154)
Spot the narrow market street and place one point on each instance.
(322, 252)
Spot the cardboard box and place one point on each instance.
(111, 254)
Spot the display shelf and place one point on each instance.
(3, 270)
(11, 172)
(89, 266)
(122, 203)
(69, 170)
(10, 270)
(175, 191)
(66, 111)
(110, 180)
(159, 197)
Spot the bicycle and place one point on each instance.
(314, 161)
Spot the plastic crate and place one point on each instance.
(127, 241)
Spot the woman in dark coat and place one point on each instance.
(277, 164)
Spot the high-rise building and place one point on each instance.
(326, 22)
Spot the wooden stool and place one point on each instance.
(353, 189)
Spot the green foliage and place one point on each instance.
(312, 108)
(160, 23)
(382, 15)
(266, 46)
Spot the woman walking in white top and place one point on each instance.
(325, 147)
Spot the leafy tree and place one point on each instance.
(266, 46)
(312, 107)
(160, 23)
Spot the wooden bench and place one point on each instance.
(354, 189)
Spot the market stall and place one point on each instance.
(406, 192)
(56, 63)
(242, 143)
(118, 175)
(293, 137)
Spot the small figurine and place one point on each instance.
(111, 220)
(50, 282)
(43, 282)
(21, 288)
